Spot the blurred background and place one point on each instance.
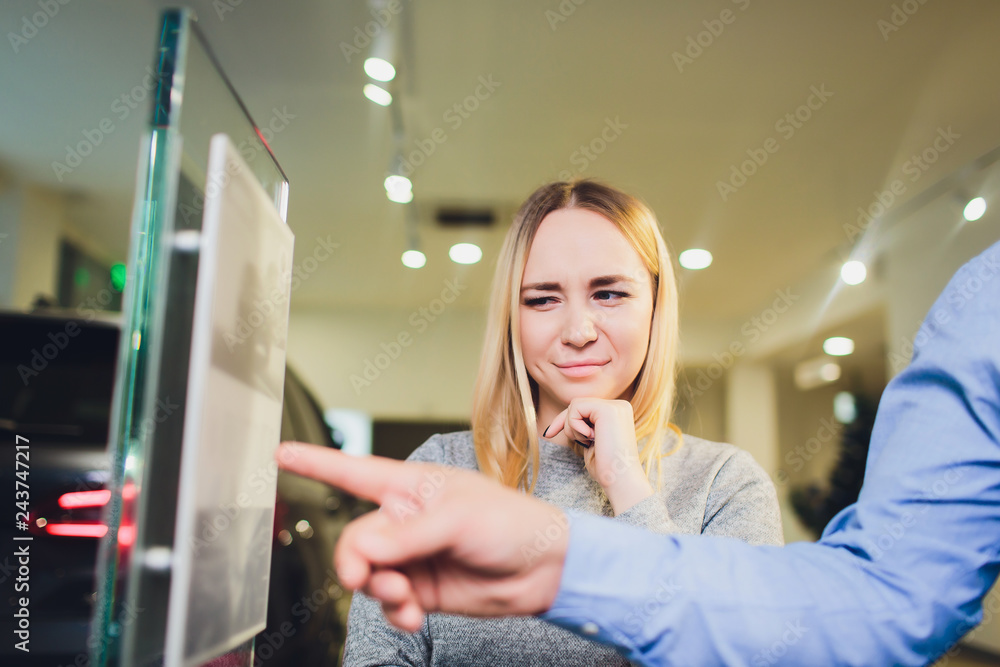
(824, 155)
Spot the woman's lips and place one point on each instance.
(582, 369)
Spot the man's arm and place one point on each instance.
(895, 579)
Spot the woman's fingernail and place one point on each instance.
(545, 433)
(583, 444)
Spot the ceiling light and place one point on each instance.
(380, 70)
(838, 346)
(829, 371)
(465, 253)
(816, 372)
(695, 259)
(397, 183)
(414, 259)
(400, 197)
(974, 209)
(853, 272)
(377, 95)
(398, 189)
(845, 407)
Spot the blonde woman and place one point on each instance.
(572, 404)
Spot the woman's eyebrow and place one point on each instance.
(600, 281)
(604, 281)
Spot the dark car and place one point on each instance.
(56, 380)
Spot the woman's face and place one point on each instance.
(586, 307)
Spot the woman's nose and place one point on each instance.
(579, 328)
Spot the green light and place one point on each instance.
(81, 277)
(118, 277)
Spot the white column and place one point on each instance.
(752, 412)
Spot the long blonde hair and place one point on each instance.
(503, 411)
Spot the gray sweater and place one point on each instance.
(707, 488)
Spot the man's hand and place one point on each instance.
(444, 539)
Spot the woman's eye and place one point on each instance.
(538, 301)
(608, 295)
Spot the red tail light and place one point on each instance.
(78, 514)
(76, 529)
(84, 499)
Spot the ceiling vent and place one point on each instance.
(464, 216)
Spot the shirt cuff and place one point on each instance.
(595, 598)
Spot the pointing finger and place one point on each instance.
(373, 478)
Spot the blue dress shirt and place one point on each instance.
(896, 578)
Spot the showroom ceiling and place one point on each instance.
(755, 130)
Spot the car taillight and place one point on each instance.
(85, 499)
(79, 514)
(76, 529)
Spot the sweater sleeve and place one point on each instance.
(650, 513)
(743, 503)
(372, 641)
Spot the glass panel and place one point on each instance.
(147, 414)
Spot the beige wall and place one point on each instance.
(430, 378)
(33, 222)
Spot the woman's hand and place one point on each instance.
(606, 431)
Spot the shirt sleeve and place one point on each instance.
(372, 641)
(896, 578)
